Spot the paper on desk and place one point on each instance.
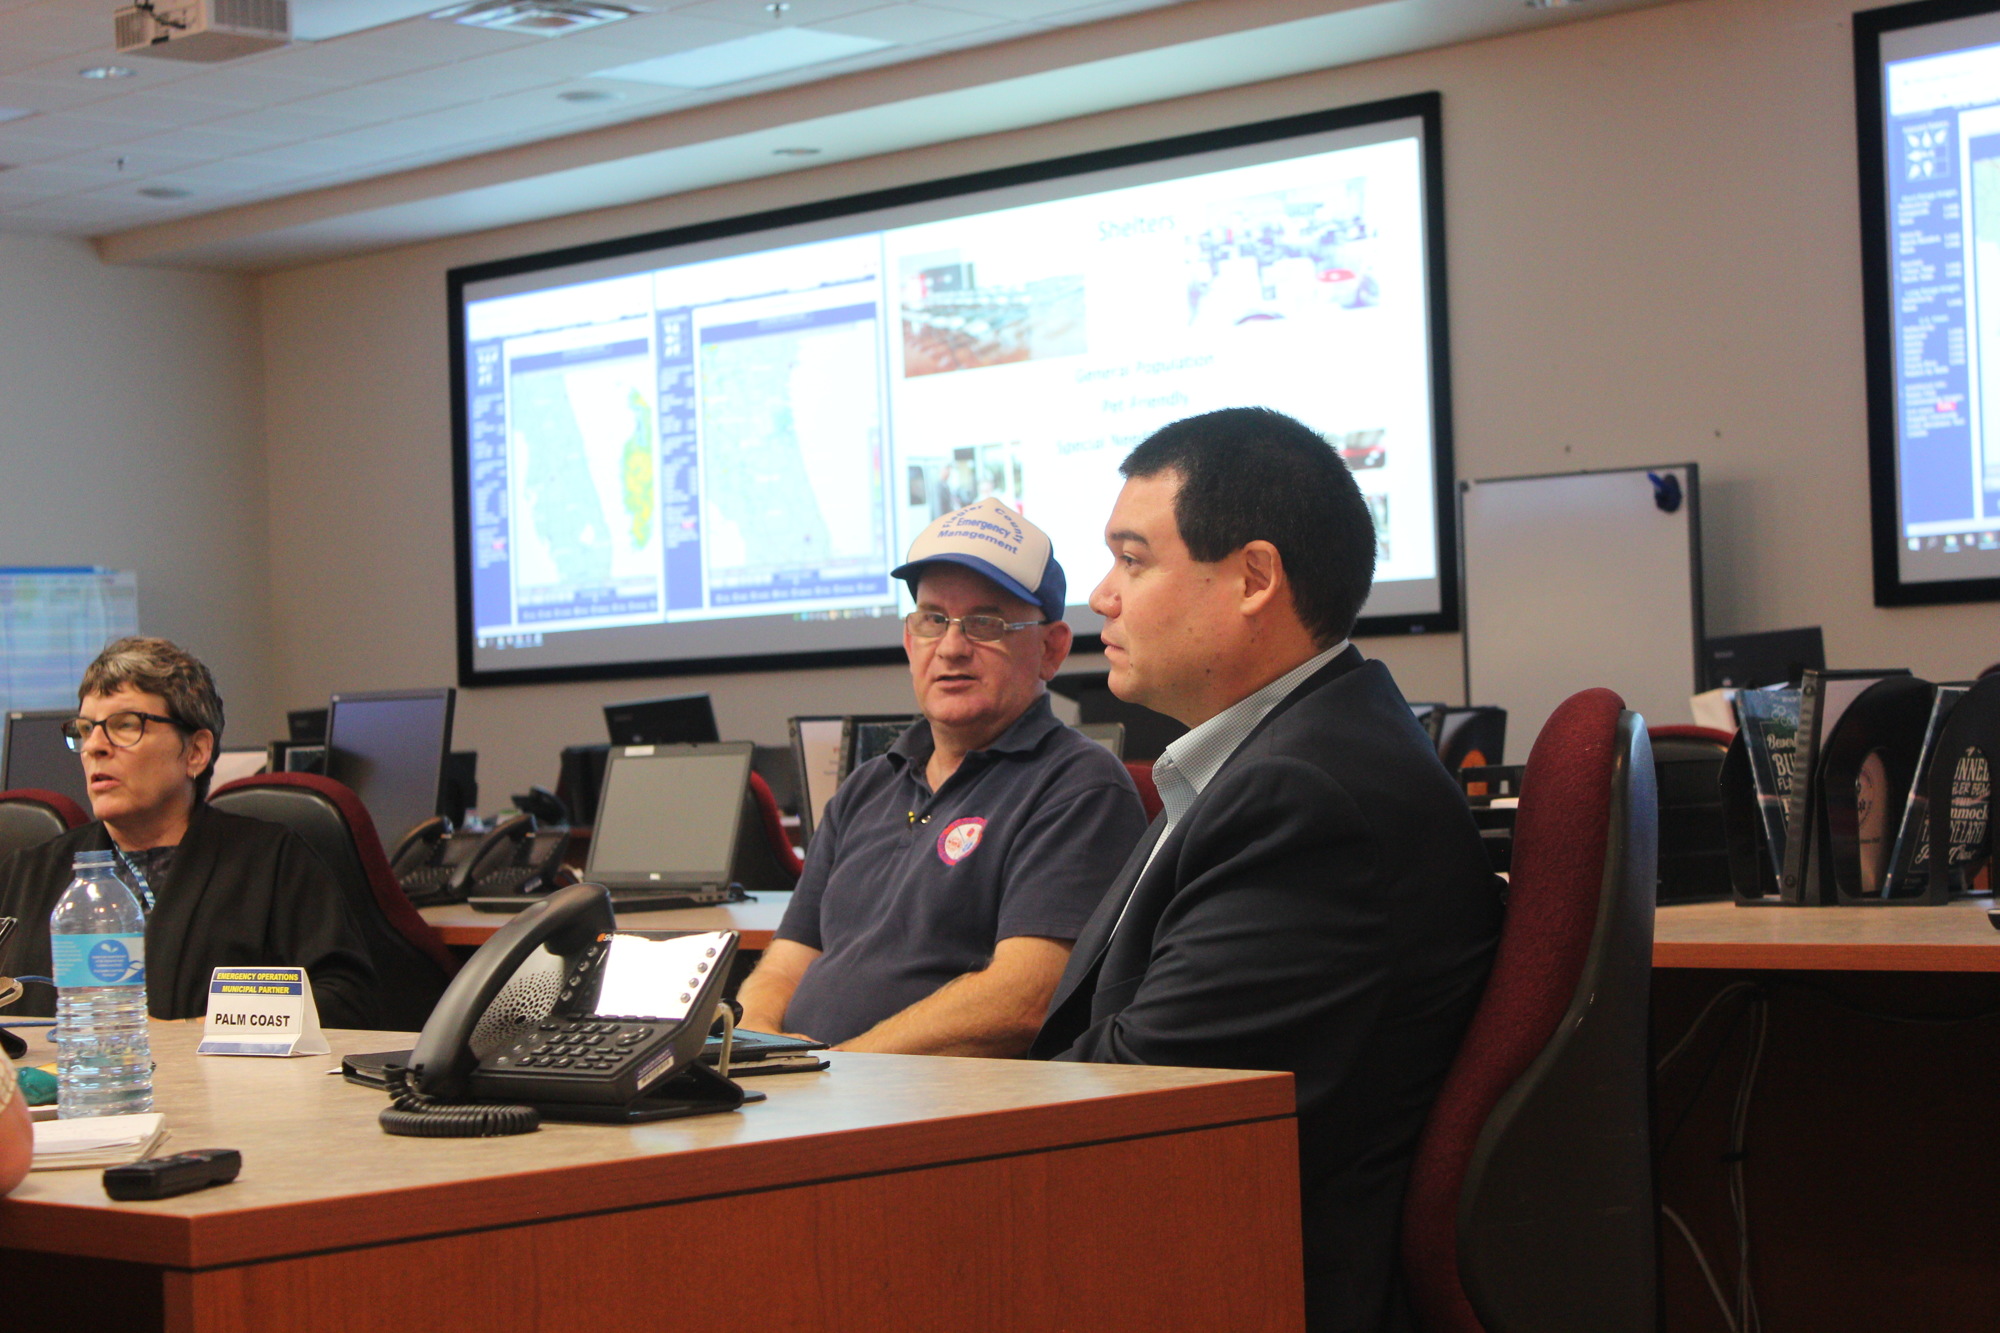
(100, 1140)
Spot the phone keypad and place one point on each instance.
(585, 1045)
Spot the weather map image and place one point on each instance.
(791, 457)
(587, 533)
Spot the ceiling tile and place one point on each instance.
(204, 142)
(250, 85)
(280, 123)
(347, 60)
(1026, 10)
(144, 110)
(907, 25)
(50, 180)
(663, 34)
(230, 173)
(744, 58)
(757, 13)
(442, 41)
(372, 103)
(76, 132)
(21, 152)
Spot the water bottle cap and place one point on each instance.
(94, 860)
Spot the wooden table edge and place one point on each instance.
(281, 1231)
(1803, 956)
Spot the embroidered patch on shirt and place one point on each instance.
(960, 839)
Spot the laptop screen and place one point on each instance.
(668, 814)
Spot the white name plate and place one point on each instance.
(261, 1011)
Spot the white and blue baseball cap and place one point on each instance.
(989, 538)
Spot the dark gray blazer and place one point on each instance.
(1324, 907)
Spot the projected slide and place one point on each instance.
(1942, 173)
(726, 455)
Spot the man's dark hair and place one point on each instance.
(1250, 474)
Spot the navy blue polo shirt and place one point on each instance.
(905, 888)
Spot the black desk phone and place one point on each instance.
(561, 1017)
(519, 855)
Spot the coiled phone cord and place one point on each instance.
(419, 1116)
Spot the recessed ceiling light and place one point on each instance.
(164, 192)
(542, 18)
(1550, 4)
(107, 72)
(795, 152)
(590, 95)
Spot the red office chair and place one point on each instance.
(30, 816)
(1142, 778)
(412, 963)
(765, 858)
(1530, 1203)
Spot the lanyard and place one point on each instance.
(137, 871)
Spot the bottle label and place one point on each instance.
(98, 960)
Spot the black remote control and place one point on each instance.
(164, 1177)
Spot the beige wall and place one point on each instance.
(1654, 257)
(129, 438)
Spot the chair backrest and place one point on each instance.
(412, 963)
(1142, 778)
(1530, 1203)
(30, 816)
(765, 859)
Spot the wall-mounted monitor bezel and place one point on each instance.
(1424, 109)
(1902, 576)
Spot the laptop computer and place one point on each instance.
(666, 825)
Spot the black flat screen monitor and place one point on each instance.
(1774, 657)
(34, 754)
(676, 719)
(390, 748)
(1928, 98)
(705, 449)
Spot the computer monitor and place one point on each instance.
(34, 754)
(390, 747)
(1775, 657)
(307, 726)
(676, 719)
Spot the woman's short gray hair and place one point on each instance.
(157, 666)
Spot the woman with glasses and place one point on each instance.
(220, 890)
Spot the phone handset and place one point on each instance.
(422, 846)
(473, 1016)
(518, 856)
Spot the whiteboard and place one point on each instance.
(1576, 580)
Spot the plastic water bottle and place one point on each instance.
(97, 935)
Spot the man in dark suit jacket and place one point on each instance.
(1314, 896)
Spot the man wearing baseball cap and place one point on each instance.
(949, 877)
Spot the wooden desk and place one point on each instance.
(1953, 938)
(889, 1192)
(1869, 1205)
(461, 926)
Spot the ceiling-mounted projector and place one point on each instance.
(204, 30)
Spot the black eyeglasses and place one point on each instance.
(980, 626)
(123, 730)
